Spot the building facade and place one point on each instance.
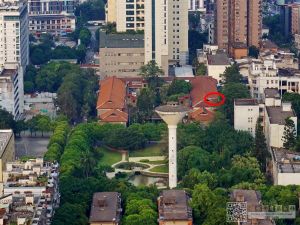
(246, 114)
(11, 91)
(166, 33)
(238, 23)
(121, 54)
(56, 17)
(197, 5)
(7, 149)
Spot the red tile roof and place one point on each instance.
(114, 115)
(112, 94)
(202, 115)
(201, 86)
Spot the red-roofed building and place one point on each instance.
(111, 104)
(201, 86)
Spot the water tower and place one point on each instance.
(172, 115)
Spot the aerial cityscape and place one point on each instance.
(149, 112)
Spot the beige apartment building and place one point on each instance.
(127, 14)
(238, 25)
(121, 55)
(7, 149)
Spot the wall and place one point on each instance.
(288, 178)
(7, 156)
(242, 115)
(215, 71)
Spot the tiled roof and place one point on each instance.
(202, 115)
(112, 94)
(201, 86)
(114, 115)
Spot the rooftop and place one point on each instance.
(112, 94)
(201, 86)
(5, 136)
(121, 40)
(287, 161)
(277, 115)
(173, 205)
(8, 73)
(245, 101)
(172, 108)
(105, 207)
(267, 44)
(218, 59)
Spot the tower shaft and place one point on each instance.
(172, 156)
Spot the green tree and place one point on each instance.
(6, 120)
(179, 87)
(233, 91)
(231, 75)
(195, 177)
(145, 103)
(260, 150)
(85, 36)
(289, 134)
(253, 51)
(151, 72)
(91, 10)
(70, 214)
(43, 123)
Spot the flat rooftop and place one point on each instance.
(105, 207)
(5, 136)
(287, 161)
(172, 108)
(245, 101)
(121, 40)
(173, 205)
(218, 59)
(277, 115)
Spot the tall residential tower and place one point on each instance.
(238, 25)
(166, 32)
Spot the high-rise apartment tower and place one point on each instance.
(166, 32)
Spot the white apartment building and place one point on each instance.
(130, 15)
(246, 114)
(286, 167)
(166, 33)
(14, 39)
(56, 17)
(275, 114)
(11, 91)
(216, 65)
(266, 74)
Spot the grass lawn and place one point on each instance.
(160, 169)
(109, 157)
(153, 150)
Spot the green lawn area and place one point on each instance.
(160, 169)
(109, 157)
(153, 150)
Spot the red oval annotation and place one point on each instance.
(214, 95)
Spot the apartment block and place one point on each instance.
(106, 209)
(11, 90)
(197, 5)
(246, 114)
(121, 54)
(127, 14)
(56, 17)
(238, 25)
(166, 33)
(14, 38)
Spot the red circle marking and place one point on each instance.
(214, 104)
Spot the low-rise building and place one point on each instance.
(274, 121)
(216, 65)
(173, 208)
(7, 149)
(106, 209)
(286, 167)
(246, 114)
(121, 54)
(111, 103)
(252, 199)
